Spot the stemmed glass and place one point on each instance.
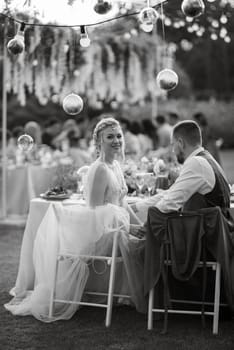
(150, 182)
(80, 187)
(140, 181)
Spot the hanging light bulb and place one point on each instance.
(102, 7)
(167, 79)
(25, 143)
(84, 38)
(147, 27)
(148, 17)
(193, 8)
(73, 104)
(16, 45)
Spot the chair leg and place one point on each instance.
(111, 281)
(51, 306)
(217, 299)
(150, 308)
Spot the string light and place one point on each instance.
(148, 17)
(84, 38)
(16, 45)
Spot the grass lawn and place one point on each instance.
(86, 329)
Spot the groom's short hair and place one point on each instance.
(190, 131)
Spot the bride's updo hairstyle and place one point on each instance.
(106, 122)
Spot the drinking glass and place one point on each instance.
(140, 181)
(150, 182)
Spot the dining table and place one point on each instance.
(24, 183)
(37, 211)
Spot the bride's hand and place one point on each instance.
(138, 231)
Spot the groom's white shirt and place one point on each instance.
(196, 175)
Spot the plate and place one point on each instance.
(56, 197)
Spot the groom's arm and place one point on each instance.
(140, 208)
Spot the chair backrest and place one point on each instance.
(185, 232)
(81, 227)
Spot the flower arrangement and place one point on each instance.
(65, 177)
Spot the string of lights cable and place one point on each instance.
(135, 13)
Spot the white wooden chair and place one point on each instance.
(206, 264)
(215, 313)
(109, 260)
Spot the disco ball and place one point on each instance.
(25, 143)
(73, 104)
(167, 79)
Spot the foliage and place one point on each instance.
(65, 177)
(209, 63)
(219, 114)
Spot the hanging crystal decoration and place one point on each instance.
(193, 8)
(73, 104)
(16, 45)
(148, 17)
(102, 7)
(167, 79)
(25, 143)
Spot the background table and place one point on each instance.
(25, 183)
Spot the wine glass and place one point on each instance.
(140, 181)
(150, 182)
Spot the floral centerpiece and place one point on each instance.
(140, 175)
(65, 177)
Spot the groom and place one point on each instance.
(201, 183)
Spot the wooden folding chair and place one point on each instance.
(109, 260)
(202, 264)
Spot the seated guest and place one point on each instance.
(12, 146)
(173, 118)
(164, 131)
(33, 129)
(61, 141)
(208, 140)
(79, 156)
(201, 183)
(52, 129)
(132, 143)
(149, 130)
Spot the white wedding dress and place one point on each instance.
(82, 230)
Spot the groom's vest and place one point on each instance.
(220, 194)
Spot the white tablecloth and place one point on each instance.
(38, 208)
(25, 183)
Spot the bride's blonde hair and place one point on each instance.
(105, 122)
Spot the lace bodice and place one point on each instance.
(116, 187)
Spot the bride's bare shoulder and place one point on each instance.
(101, 170)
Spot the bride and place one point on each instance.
(86, 230)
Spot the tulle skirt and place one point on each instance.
(80, 230)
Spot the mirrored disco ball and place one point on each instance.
(25, 143)
(16, 45)
(147, 27)
(73, 104)
(167, 79)
(102, 7)
(148, 15)
(193, 8)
